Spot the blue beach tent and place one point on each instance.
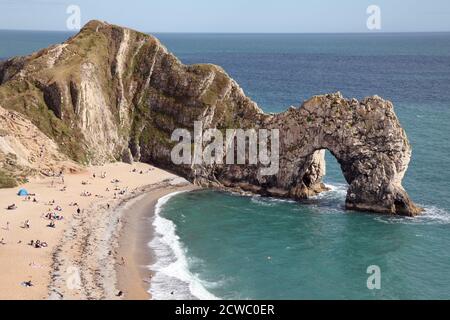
(22, 193)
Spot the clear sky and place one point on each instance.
(231, 15)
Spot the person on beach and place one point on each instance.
(27, 284)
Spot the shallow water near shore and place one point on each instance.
(256, 248)
(217, 245)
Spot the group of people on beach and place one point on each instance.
(102, 175)
(38, 244)
(141, 171)
(54, 213)
(50, 215)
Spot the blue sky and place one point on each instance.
(231, 15)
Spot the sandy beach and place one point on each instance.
(91, 227)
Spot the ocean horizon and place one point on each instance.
(219, 245)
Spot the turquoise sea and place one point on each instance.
(219, 245)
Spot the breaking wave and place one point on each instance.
(172, 279)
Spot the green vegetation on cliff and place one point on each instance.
(6, 181)
(27, 99)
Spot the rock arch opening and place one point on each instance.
(364, 142)
(333, 171)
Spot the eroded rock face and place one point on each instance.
(367, 140)
(25, 150)
(117, 94)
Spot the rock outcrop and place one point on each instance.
(111, 93)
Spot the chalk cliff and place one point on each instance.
(110, 93)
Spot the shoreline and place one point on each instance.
(101, 253)
(76, 260)
(134, 277)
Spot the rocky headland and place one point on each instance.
(113, 94)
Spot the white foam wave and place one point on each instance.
(336, 191)
(268, 201)
(436, 214)
(431, 215)
(172, 280)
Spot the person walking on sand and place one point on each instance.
(26, 224)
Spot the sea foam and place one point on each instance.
(430, 216)
(172, 279)
(336, 191)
